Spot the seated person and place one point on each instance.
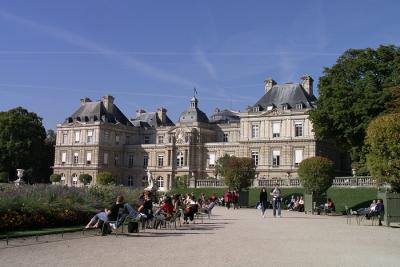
(190, 209)
(146, 209)
(290, 205)
(107, 215)
(329, 206)
(365, 211)
(164, 213)
(300, 206)
(378, 211)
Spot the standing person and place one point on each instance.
(227, 199)
(235, 197)
(276, 200)
(263, 201)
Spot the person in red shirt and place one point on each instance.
(228, 199)
(164, 213)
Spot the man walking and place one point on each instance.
(276, 200)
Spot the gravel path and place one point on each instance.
(230, 238)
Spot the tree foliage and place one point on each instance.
(221, 165)
(316, 174)
(55, 178)
(352, 92)
(181, 182)
(23, 145)
(105, 178)
(85, 178)
(383, 140)
(4, 177)
(238, 172)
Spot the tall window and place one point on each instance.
(276, 129)
(62, 179)
(276, 158)
(76, 158)
(211, 160)
(130, 161)
(130, 180)
(106, 136)
(147, 139)
(105, 159)
(161, 139)
(77, 136)
(226, 135)
(128, 140)
(117, 138)
(88, 158)
(63, 157)
(116, 160)
(254, 156)
(255, 131)
(145, 161)
(89, 137)
(179, 159)
(65, 138)
(160, 160)
(298, 129)
(298, 156)
(160, 182)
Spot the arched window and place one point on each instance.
(160, 182)
(179, 159)
(74, 179)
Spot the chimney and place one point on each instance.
(307, 84)
(268, 84)
(162, 115)
(85, 100)
(108, 102)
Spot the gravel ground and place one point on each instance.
(230, 238)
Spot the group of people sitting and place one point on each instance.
(296, 204)
(375, 209)
(153, 214)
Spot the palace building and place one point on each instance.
(276, 132)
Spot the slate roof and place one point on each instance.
(288, 93)
(150, 119)
(96, 111)
(224, 116)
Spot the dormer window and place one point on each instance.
(285, 106)
(299, 106)
(256, 109)
(270, 107)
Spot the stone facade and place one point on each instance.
(276, 132)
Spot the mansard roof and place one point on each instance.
(96, 111)
(288, 93)
(150, 119)
(193, 114)
(224, 116)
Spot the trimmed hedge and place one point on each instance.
(354, 198)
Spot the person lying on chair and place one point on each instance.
(107, 214)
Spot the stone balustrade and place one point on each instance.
(359, 181)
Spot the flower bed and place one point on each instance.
(37, 206)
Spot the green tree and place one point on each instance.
(351, 93)
(55, 178)
(221, 165)
(4, 177)
(239, 173)
(383, 159)
(85, 178)
(316, 174)
(105, 178)
(22, 144)
(181, 181)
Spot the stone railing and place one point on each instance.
(359, 181)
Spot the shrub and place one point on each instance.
(383, 159)
(105, 178)
(55, 178)
(239, 173)
(85, 178)
(4, 177)
(316, 174)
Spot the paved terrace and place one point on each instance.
(230, 238)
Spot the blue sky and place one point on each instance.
(149, 54)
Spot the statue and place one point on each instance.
(20, 174)
(150, 181)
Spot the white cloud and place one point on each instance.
(205, 63)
